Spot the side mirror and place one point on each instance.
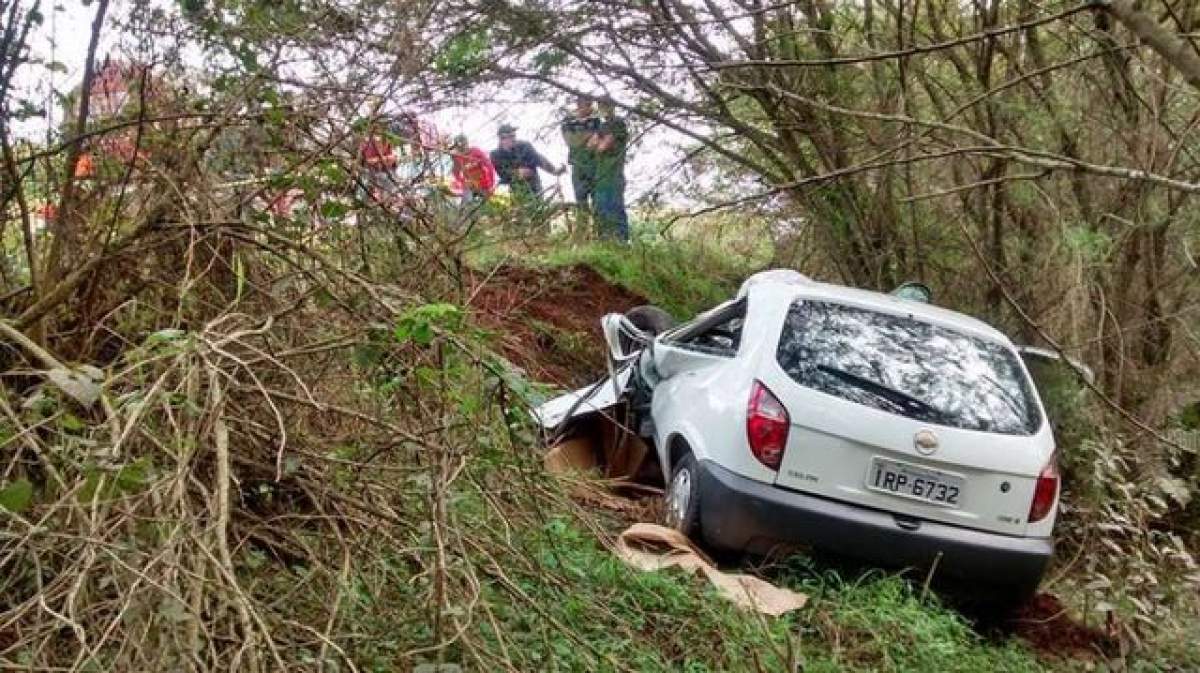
(1053, 356)
(914, 291)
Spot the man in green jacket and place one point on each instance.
(577, 131)
(610, 145)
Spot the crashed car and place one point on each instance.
(878, 426)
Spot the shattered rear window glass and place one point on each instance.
(905, 366)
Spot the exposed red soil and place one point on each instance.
(1045, 624)
(548, 321)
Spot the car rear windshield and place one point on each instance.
(909, 367)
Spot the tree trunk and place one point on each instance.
(1172, 49)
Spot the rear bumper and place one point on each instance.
(743, 514)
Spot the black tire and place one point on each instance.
(650, 319)
(992, 607)
(1004, 603)
(683, 517)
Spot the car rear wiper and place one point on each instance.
(1008, 398)
(887, 392)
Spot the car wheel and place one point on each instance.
(1002, 604)
(650, 319)
(682, 499)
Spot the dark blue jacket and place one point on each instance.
(522, 155)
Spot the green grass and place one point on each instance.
(880, 623)
(683, 278)
(669, 621)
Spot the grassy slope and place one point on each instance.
(681, 278)
(667, 621)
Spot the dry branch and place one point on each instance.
(1178, 52)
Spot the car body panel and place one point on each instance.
(691, 407)
(598, 397)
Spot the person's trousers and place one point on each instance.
(611, 219)
(583, 182)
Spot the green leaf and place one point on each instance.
(165, 336)
(548, 60)
(134, 476)
(333, 173)
(367, 355)
(422, 333)
(322, 297)
(249, 59)
(239, 269)
(463, 54)
(91, 482)
(334, 210)
(71, 423)
(17, 496)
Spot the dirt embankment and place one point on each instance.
(548, 321)
(1046, 625)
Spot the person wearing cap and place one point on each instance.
(517, 164)
(473, 172)
(577, 131)
(610, 144)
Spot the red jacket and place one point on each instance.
(377, 154)
(474, 171)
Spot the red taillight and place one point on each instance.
(766, 426)
(1045, 492)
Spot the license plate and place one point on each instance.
(910, 481)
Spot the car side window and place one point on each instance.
(719, 334)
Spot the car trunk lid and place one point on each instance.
(853, 453)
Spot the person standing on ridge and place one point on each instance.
(610, 145)
(517, 164)
(577, 130)
(378, 160)
(473, 172)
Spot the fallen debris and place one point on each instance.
(601, 444)
(649, 547)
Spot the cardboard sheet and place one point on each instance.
(650, 547)
(615, 452)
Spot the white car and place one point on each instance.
(867, 424)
